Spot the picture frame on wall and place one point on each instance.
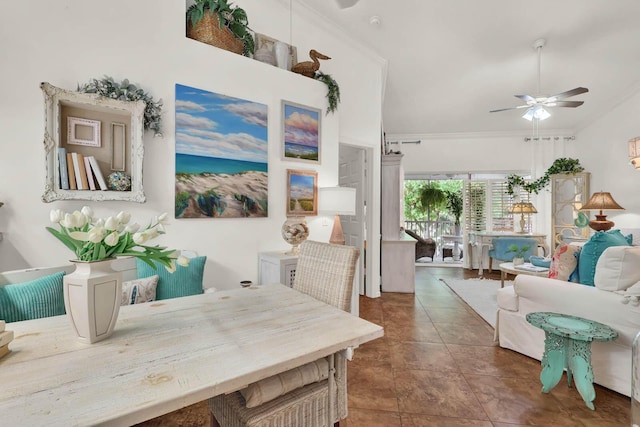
(302, 193)
(83, 132)
(285, 55)
(301, 136)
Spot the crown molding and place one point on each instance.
(477, 135)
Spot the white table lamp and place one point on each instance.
(337, 201)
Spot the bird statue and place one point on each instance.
(309, 68)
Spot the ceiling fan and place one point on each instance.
(536, 105)
(344, 4)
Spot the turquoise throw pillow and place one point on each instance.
(592, 250)
(183, 282)
(43, 297)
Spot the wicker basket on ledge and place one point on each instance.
(208, 31)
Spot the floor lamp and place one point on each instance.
(337, 201)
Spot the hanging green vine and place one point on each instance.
(561, 165)
(333, 90)
(126, 91)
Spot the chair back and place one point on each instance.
(501, 245)
(325, 272)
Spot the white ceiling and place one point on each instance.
(451, 61)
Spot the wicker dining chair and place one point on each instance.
(325, 272)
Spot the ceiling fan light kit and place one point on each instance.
(537, 105)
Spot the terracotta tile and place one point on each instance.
(421, 355)
(454, 333)
(398, 298)
(371, 387)
(373, 353)
(436, 393)
(415, 420)
(482, 360)
(519, 401)
(412, 332)
(371, 418)
(452, 315)
(440, 301)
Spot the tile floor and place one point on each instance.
(438, 366)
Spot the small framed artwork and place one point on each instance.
(83, 131)
(263, 41)
(300, 133)
(118, 150)
(302, 193)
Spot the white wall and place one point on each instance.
(71, 41)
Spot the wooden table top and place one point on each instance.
(166, 355)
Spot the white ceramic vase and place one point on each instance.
(518, 261)
(92, 296)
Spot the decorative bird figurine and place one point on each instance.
(309, 68)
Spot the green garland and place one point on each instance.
(126, 91)
(561, 165)
(333, 90)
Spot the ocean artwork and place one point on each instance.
(301, 132)
(221, 156)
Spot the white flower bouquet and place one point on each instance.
(97, 239)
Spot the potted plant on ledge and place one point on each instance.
(218, 23)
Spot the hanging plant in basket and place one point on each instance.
(218, 23)
(126, 91)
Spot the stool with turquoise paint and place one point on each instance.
(567, 344)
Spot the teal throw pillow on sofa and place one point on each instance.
(592, 250)
(183, 282)
(43, 297)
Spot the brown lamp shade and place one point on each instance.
(598, 202)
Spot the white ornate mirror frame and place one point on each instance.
(55, 99)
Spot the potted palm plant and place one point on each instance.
(518, 253)
(218, 23)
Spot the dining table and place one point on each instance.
(165, 355)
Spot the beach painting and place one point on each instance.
(300, 132)
(302, 193)
(221, 156)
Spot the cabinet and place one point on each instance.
(398, 248)
(568, 193)
(108, 129)
(277, 267)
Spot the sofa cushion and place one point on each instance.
(42, 297)
(564, 262)
(183, 282)
(278, 385)
(592, 250)
(618, 268)
(139, 290)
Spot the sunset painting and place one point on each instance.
(221, 156)
(301, 132)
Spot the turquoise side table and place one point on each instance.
(567, 344)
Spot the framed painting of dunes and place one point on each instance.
(221, 156)
(302, 193)
(300, 133)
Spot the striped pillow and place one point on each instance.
(43, 297)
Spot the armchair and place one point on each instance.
(424, 247)
(501, 245)
(325, 272)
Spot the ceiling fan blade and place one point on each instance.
(526, 98)
(572, 104)
(567, 94)
(344, 4)
(510, 108)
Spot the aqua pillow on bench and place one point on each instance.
(43, 297)
(183, 282)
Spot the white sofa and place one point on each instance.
(611, 361)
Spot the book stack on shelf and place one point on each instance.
(78, 172)
(5, 338)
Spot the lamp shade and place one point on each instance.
(337, 201)
(601, 201)
(522, 208)
(634, 152)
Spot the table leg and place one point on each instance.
(480, 259)
(503, 275)
(553, 361)
(579, 362)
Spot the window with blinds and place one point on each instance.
(487, 205)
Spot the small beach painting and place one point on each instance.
(300, 133)
(221, 156)
(302, 193)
